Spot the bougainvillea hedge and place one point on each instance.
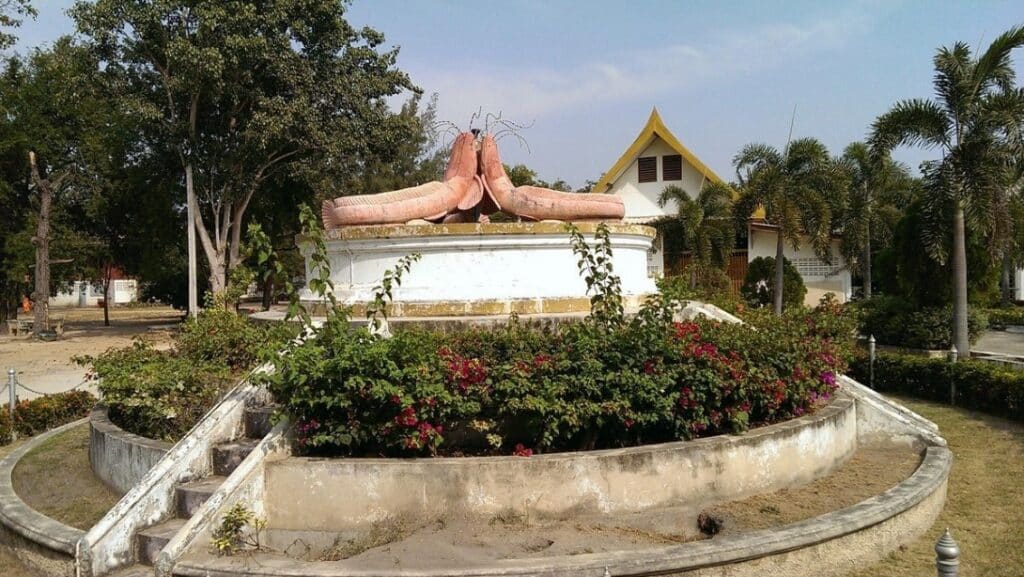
(523, 389)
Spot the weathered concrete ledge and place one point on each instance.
(828, 545)
(725, 467)
(120, 459)
(45, 544)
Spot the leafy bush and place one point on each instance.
(1000, 318)
(608, 381)
(981, 386)
(6, 428)
(157, 394)
(47, 412)
(894, 322)
(707, 284)
(758, 288)
(222, 336)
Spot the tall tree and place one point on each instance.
(965, 182)
(794, 187)
(55, 116)
(241, 90)
(876, 181)
(708, 230)
(11, 13)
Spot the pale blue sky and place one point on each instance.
(722, 74)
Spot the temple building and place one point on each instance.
(656, 159)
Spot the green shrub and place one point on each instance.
(157, 394)
(980, 386)
(50, 411)
(707, 284)
(222, 336)
(894, 322)
(572, 386)
(759, 285)
(1000, 318)
(6, 428)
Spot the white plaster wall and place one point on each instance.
(761, 243)
(479, 267)
(1019, 284)
(641, 199)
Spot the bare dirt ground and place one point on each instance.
(74, 496)
(49, 368)
(464, 541)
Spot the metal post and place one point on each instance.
(871, 365)
(947, 556)
(12, 389)
(953, 356)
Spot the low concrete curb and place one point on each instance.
(119, 458)
(41, 542)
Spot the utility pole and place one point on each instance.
(193, 293)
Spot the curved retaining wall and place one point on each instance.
(713, 469)
(45, 544)
(119, 458)
(829, 545)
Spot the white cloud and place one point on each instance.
(533, 93)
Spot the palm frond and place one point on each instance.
(910, 123)
(994, 67)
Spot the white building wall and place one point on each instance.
(641, 199)
(1018, 285)
(761, 243)
(87, 294)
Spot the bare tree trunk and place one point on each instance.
(41, 296)
(268, 293)
(779, 263)
(960, 334)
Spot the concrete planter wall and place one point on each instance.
(119, 458)
(362, 491)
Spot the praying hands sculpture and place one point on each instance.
(475, 185)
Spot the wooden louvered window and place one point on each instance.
(648, 169)
(672, 167)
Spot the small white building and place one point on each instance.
(90, 294)
(657, 159)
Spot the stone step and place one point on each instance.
(153, 540)
(133, 571)
(257, 421)
(191, 496)
(228, 456)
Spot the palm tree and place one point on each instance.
(876, 184)
(794, 188)
(708, 230)
(961, 122)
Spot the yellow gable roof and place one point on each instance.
(655, 128)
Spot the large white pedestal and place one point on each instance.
(479, 269)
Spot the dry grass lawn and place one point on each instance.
(985, 502)
(56, 480)
(10, 566)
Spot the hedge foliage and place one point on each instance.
(1000, 318)
(981, 386)
(161, 394)
(758, 288)
(41, 414)
(893, 321)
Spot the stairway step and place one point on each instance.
(133, 571)
(257, 421)
(191, 496)
(153, 540)
(228, 456)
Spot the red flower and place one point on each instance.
(407, 418)
(521, 451)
